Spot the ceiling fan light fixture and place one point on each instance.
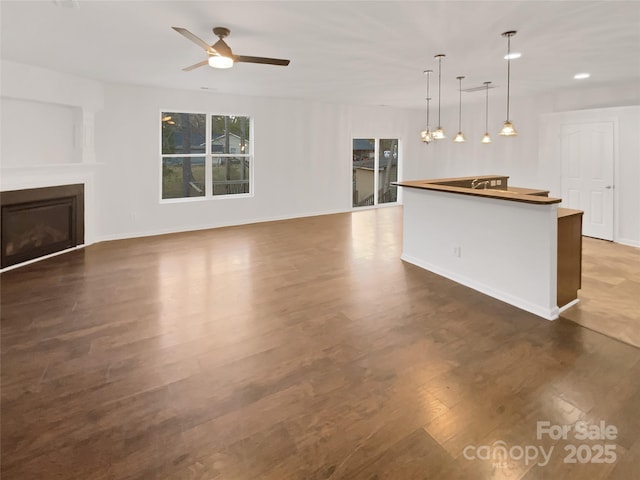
(219, 61)
(219, 55)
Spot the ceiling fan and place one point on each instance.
(220, 54)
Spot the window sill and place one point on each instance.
(204, 199)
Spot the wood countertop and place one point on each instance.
(528, 191)
(567, 212)
(513, 194)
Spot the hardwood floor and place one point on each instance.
(299, 349)
(610, 293)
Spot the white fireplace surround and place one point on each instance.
(25, 85)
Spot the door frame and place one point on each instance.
(550, 149)
(614, 166)
(376, 139)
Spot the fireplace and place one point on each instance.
(40, 221)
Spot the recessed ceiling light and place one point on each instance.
(580, 76)
(512, 55)
(67, 3)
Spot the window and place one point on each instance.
(193, 167)
(375, 167)
(230, 158)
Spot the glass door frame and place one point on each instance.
(376, 177)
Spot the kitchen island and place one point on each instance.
(500, 240)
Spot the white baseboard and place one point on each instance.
(630, 243)
(569, 305)
(539, 310)
(194, 228)
(28, 262)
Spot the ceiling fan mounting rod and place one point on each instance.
(221, 32)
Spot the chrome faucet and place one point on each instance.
(477, 184)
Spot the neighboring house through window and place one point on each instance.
(375, 168)
(195, 168)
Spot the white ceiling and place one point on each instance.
(348, 51)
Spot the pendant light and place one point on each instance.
(426, 135)
(508, 129)
(439, 133)
(486, 138)
(460, 136)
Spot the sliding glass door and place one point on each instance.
(375, 167)
(388, 165)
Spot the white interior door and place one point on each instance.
(587, 175)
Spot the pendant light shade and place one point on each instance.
(459, 136)
(508, 129)
(486, 138)
(439, 133)
(426, 135)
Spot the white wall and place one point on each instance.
(47, 116)
(302, 163)
(513, 156)
(37, 133)
(529, 159)
(48, 86)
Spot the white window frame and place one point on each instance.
(208, 159)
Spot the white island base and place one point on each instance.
(502, 248)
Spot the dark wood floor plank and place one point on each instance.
(297, 349)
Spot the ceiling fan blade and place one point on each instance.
(196, 65)
(197, 40)
(263, 60)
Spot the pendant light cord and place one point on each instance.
(439, 87)
(460, 105)
(486, 113)
(508, 71)
(427, 72)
